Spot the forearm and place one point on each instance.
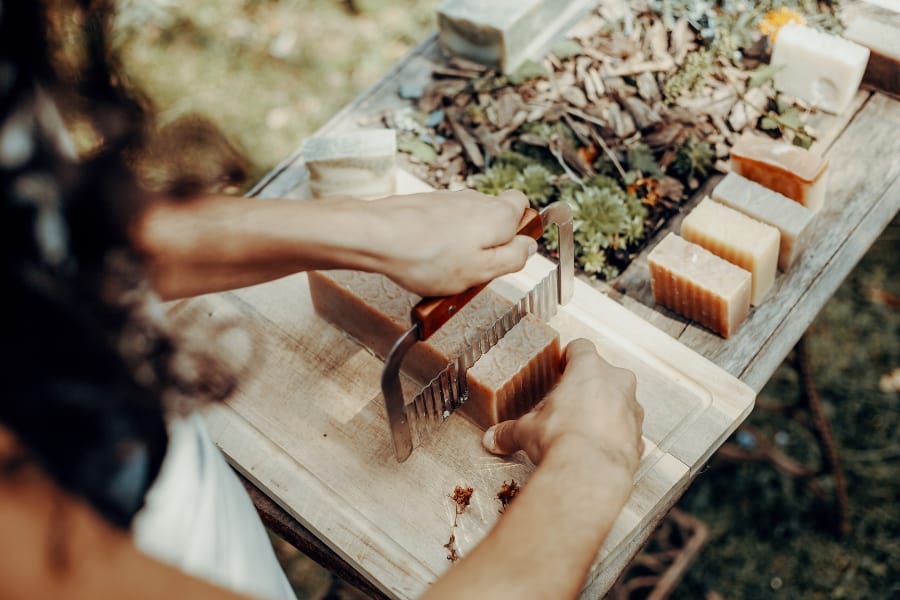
(545, 543)
(216, 243)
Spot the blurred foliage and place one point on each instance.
(267, 72)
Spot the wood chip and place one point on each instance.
(465, 138)
(644, 116)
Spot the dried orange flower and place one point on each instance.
(776, 19)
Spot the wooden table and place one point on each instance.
(863, 146)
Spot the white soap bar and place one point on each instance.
(699, 285)
(504, 33)
(738, 239)
(360, 163)
(883, 40)
(792, 220)
(790, 170)
(822, 69)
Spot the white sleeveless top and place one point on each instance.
(199, 518)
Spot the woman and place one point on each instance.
(105, 490)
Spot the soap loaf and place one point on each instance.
(882, 38)
(502, 34)
(791, 219)
(699, 285)
(799, 174)
(376, 311)
(358, 163)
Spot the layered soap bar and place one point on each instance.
(823, 69)
(882, 38)
(359, 163)
(790, 170)
(737, 238)
(502, 34)
(376, 311)
(699, 285)
(792, 220)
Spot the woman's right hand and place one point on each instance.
(593, 405)
(441, 243)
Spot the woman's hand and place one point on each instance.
(442, 243)
(593, 406)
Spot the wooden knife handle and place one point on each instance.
(431, 313)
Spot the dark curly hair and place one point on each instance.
(87, 357)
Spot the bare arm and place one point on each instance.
(586, 438)
(432, 244)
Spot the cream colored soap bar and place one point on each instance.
(699, 285)
(504, 33)
(790, 170)
(793, 221)
(823, 69)
(738, 239)
(360, 163)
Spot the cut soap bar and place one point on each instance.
(791, 219)
(376, 311)
(360, 163)
(515, 374)
(699, 285)
(883, 41)
(823, 69)
(738, 239)
(799, 174)
(502, 34)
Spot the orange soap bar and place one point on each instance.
(790, 170)
(376, 311)
(699, 285)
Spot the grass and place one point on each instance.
(270, 72)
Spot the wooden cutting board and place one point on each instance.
(307, 425)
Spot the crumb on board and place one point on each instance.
(506, 494)
(462, 497)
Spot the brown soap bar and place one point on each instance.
(376, 311)
(515, 374)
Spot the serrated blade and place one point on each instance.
(449, 389)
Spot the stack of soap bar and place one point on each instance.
(823, 69)
(699, 285)
(360, 163)
(502, 34)
(790, 170)
(790, 218)
(737, 238)
(376, 311)
(882, 38)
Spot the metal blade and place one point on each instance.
(449, 389)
